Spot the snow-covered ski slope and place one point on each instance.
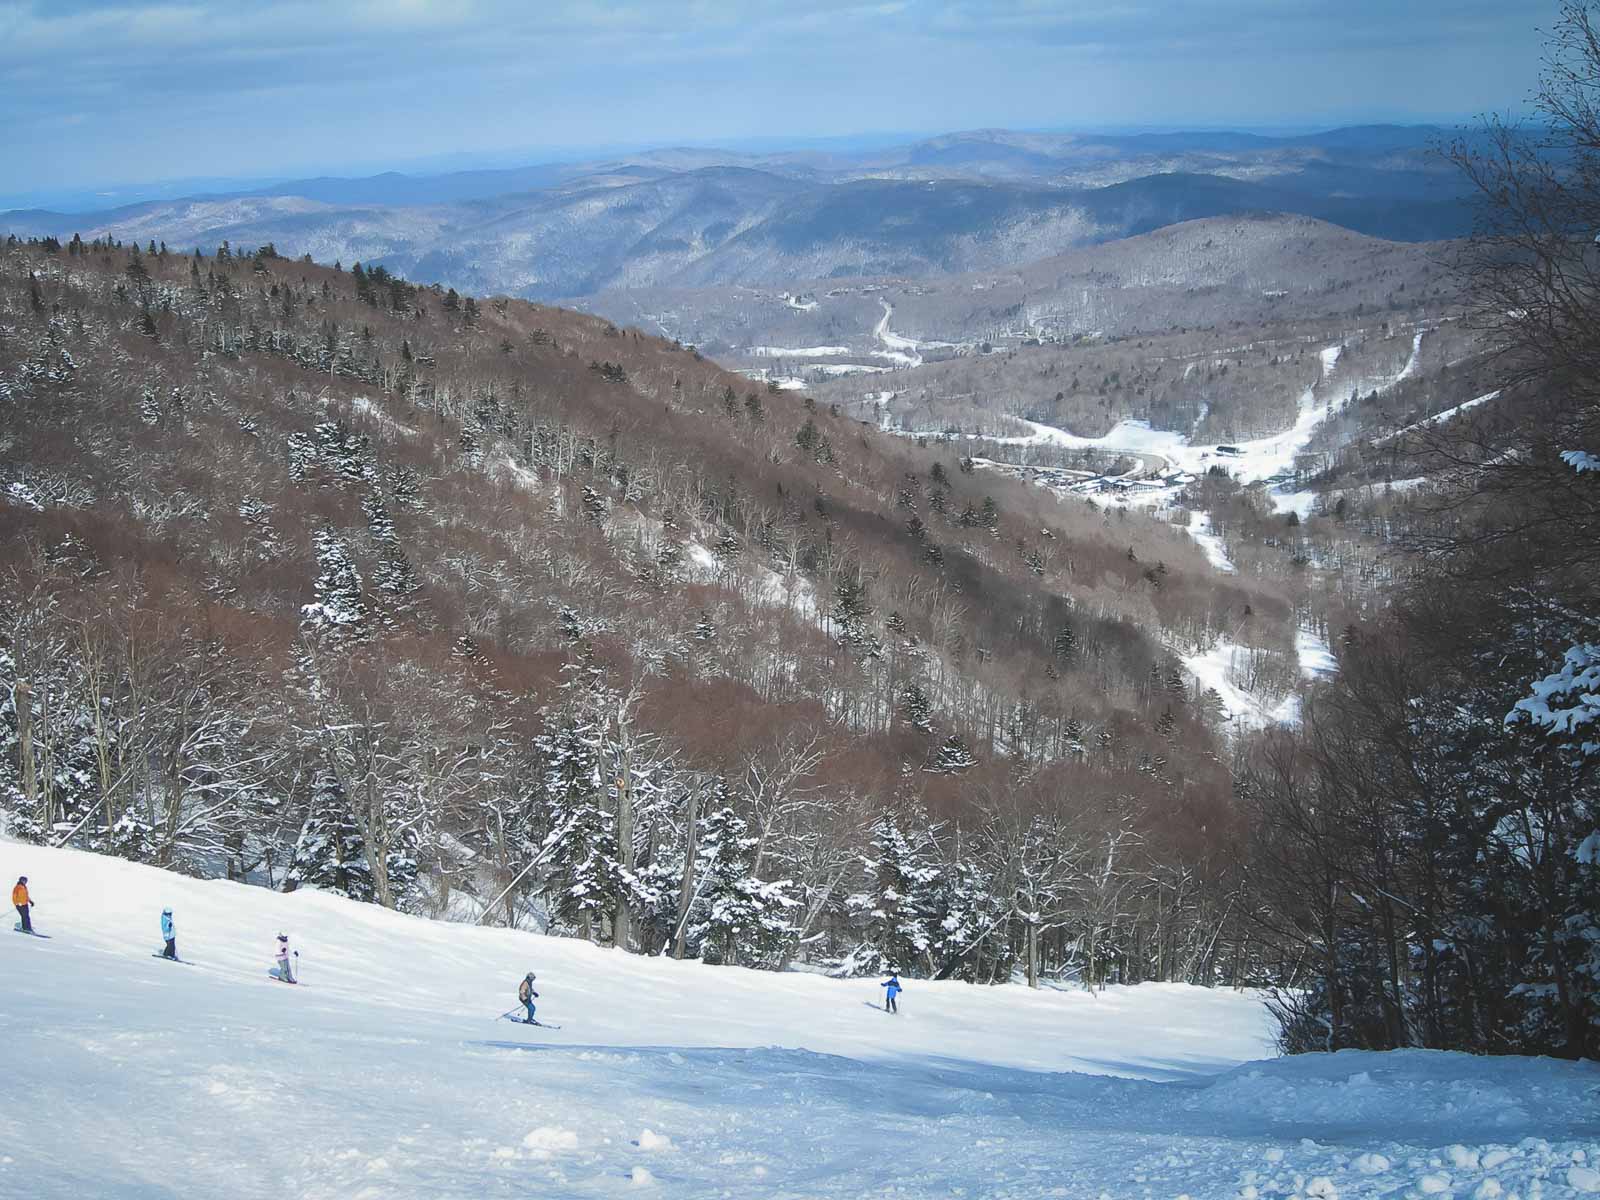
(389, 1075)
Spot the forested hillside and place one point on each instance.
(1430, 834)
(313, 576)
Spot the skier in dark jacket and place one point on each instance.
(169, 934)
(893, 984)
(526, 996)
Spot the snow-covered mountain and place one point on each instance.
(977, 201)
(389, 1073)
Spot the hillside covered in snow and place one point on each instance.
(389, 1073)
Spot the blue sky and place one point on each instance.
(93, 93)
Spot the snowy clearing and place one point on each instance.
(799, 351)
(1215, 668)
(390, 1075)
(1315, 655)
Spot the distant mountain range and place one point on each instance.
(1253, 269)
(962, 202)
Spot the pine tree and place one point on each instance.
(1166, 725)
(736, 918)
(1064, 644)
(953, 757)
(394, 581)
(850, 609)
(916, 707)
(894, 913)
(583, 877)
(965, 915)
(340, 610)
(346, 452)
(329, 853)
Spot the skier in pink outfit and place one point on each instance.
(284, 971)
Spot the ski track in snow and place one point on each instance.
(389, 1075)
(901, 350)
(1208, 540)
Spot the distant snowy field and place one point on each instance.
(389, 1075)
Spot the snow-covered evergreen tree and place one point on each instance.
(896, 912)
(394, 581)
(340, 612)
(850, 610)
(736, 918)
(916, 707)
(968, 923)
(583, 876)
(953, 757)
(329, 853)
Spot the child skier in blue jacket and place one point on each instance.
(169, 934)
(893, 984)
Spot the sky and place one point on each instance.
(95, 94)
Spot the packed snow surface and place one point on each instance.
(389, 1074)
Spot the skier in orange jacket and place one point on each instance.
(19, 897)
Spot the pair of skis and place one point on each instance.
(30, 932)
(511, 1015)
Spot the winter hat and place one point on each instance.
(166, 912)
(283, 937)
(530, 975)
(22, 879)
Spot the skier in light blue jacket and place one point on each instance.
(169, 933)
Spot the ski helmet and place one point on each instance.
(22, 879)
(530, 975)
(283, 937)
(166, 912)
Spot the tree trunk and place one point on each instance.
(621, 918)
(691, 843)
(30, 773)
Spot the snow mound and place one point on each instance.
(550, 1139)
(1412, 1091)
